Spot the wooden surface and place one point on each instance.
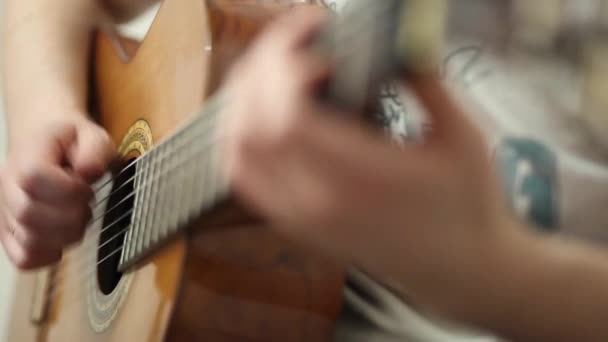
(226, 282)
(246, 283)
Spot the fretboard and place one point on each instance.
(174, 183)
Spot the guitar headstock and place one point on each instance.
(372, 41)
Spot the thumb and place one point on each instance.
(450, 124)
(91, 152)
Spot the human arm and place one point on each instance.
(55, 151)
(46, 50)
(529, 287)
(46, 44)
(429, 219)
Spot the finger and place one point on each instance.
(261, 154)
(57, 233)
(449, 122)
(334, 153)
(92, 152)
(334, 137)
(27, 257)
(57, 141)
(311, 72)
(297, 27)
(282, 190)
(253, 186)
(292, 192)
(62, 223)
(86, 147)
(47, 182)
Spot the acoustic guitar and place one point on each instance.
(169, 255)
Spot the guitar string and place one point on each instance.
(99, 187)
(108, 211)
(130, 195)
(204, 146)
(147, 155)
(90, 257)
(124, 230)
(211, 110)
(83, 269)
(204, 117)
(143, 187)
(147, 183)
(73, 286)
(60, 282)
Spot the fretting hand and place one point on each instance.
(345, 188)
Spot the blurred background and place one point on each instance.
(6, 270)
(551, 89)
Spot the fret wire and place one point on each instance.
(167, 185)
(161, 188)
(167, 155)
(213, 172)
(139, 199)
(185, 188)
(188, 185)
(157, 170)
(160, 196)
(134, 217)
(139, 202)
(191, 156)
(169, 194)
(197, 172)
(145, 205)
(177, 202)
(181, 213)
(170, 181)
(174, 201)
(146, 199)
(186, 193)
(209, 112)
(162, 184)
(162, 220)
(221, 183)
(165, 210)
(203, 171)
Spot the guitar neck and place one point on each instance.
(174, 183)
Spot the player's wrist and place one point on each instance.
(483, 281)
(26, 122)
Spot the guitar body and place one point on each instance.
(228, 278)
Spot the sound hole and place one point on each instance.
(115, 222)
